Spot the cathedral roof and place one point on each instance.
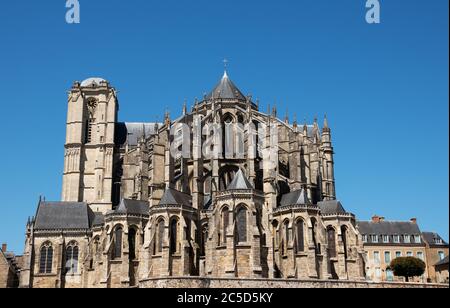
(99, 219)
(175, 197)
(240, 181)
(297, 197)
(331, 207)
(130, 133)
(63, 216)
(133, 207)
(226, 89)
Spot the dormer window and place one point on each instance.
(385, 238)
(406, 239)
(396, 239)
(364, 238)
(374, 238)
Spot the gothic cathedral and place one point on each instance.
(132, 211)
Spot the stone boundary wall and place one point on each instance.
(229, 283)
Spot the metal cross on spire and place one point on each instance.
(225, 64)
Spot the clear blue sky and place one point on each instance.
(384, 87)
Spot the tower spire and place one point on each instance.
(326, 127)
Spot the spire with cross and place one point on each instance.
(225, 64)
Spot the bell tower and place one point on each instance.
(89, 148)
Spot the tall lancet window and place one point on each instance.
(331, 242)
(241, 224)
(228, 136)
(173, 235)
(225, 223)
(132, 244)
(300, 236)
(117, 251)
(46, 259)
(72, 258)
(160, 236)
(91, 106)
(89, 129)
(240, 138)
(286, 236)
(204, 239)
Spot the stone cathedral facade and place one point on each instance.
(131, 211)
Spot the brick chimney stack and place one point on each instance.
(377, 219)
(4, 247)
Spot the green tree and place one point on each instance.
(408, 267)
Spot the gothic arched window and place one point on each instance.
(204, 239)
(331, 242)
(240, 137)
(300, 235)
(160, 236)
(132, 243)
(225, 218)
(72, 258)
(228, 136)
(241, 224)
(173, 235)
(46, 259)
(275, 233)
(286, 235)
(117, 252)
(344, 240)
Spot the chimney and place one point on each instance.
(414, 220)
(376, 219)
(4, 247)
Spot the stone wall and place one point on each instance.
(202, 283)
(6, 275)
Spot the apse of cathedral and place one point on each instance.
(132, 210)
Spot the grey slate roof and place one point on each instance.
(331, 207)
(175, 197)
(99, 219)
(443, 262)
(63, 216)
(133, 207)
(389, 228)
(297, 197)
(240, 181)
(226, 89)
(434, 239)
(131, 132)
